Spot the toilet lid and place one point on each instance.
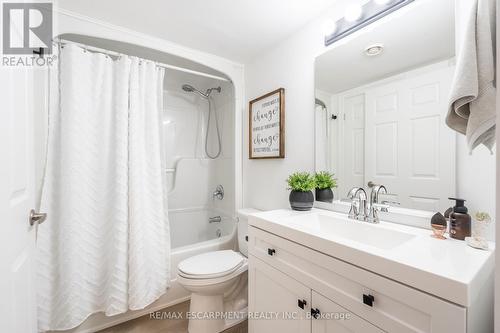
(211, 264)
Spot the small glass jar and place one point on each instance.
(438, 231)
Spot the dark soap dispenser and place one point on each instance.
(460, 221)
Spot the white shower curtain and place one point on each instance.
(105, 246)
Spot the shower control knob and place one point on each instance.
(218, 193)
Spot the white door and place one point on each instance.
(272, 293)
(332, 318)
(408, 147)
(352, 163)
(17, 237)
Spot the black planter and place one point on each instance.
(324, 195)
(301, 200)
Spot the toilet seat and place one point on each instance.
(207, 282)
(211, 265)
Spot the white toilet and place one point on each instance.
(218, 282)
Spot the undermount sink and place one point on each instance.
(361, 232)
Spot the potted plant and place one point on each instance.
(301, 197)
(480, 226)
(324, 183)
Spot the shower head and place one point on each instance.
(190, 88)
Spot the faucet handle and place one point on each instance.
(353, 211)
(385, 205)
(391, 203)
(381, 207)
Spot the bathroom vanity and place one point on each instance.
(319, 271)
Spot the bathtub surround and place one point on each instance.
(105, 245)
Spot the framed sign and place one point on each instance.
(267, 126)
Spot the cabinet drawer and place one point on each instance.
(392, 306)
(331, 317)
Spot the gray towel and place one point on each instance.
(472, 109)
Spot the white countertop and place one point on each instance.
(449, 269)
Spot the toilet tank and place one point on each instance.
(243, 229)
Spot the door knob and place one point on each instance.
(37, 217)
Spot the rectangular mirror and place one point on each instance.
(381, 102)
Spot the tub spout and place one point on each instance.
(214, 219)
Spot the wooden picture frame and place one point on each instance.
(266, 126)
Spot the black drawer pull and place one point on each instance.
(246, 238)
(271, 252)
(368, 299)
(315, 313)
(302, 303)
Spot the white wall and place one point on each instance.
(290, 65)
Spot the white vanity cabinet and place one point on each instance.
(281, 304)
(282, 274)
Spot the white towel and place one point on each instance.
(472, 110)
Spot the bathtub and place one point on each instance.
(199, 237)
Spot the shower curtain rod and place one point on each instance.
(117, 54)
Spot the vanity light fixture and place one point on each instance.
(353, 13)
(329, 27)
(357, 17)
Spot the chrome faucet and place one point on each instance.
(374, 204)
(363, 210)
(358, 209)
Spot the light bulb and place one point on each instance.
(353, 13)
(329, 27)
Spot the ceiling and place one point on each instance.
(412, 38)
(238, 30)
